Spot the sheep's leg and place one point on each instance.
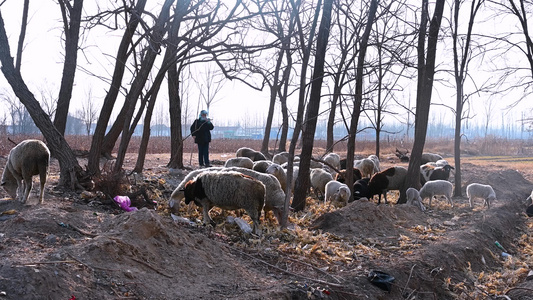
(27, 188)
(207, 218)
(42, 180)
(256, 226)
(449, 197)
(471, 201)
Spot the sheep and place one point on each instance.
(392, 178)
(430, 171)
(333, 159)
(227, 190)
(279, 173)
(261, 165)
(337, 193)
(360, 189)
(319, 178)
(413, 198)
(429, 157)
(274, 197)
(478, 190)
(437, 188)
(441, 163)
(242, 162)
(375, 160)
(280, 158)
(366, 166)
(178, 193)
(250, 153)
(28, 158)
(341, 176)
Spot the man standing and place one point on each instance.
(201, 130)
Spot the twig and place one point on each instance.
(288, 272)
(518, 288)
(88, 266)
(47, 262)
(408, 279)
(151, 267)
(311, 266)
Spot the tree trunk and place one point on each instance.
(70, 170)
(93, 164)
(72, 31)
(358, 95)
(22, 35)
(176, 134)
(308, 135)
(426, 72)
(140, 81)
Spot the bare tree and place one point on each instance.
(426, 73)
(308, 133)
(70, 171)
(88, 113)
(71, 22)
(462, 55)
(123, 52)
(358, 96)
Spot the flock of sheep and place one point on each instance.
(251, 182)
(231, 186)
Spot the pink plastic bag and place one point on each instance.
(125, 203)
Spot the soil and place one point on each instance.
(75, 246)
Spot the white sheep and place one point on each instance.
(437, 188)
(414, 199)
(366, 166)
(279, 173)
(261, 165)
(250, 153)
(375, 160)
(333, 159)
(227, 190)
(337, 193)
(28, 158)
(280, 158)
(478, 190)
(429, 157)
(319, 178)
(274, 197)
(241, 162)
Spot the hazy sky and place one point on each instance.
(42, 67)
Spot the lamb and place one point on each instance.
(341, 176)
(28, 158)
(366, 166)
(437, 188)
(241, 162)
(429, 157)
(279, 173)
(337, 193)
(413, 198)
(319, 178)
(261, 165)
(333, 159)
(392, 178)
(250, 153)
(431, 172)
(227, 190)
(360, 189)
(478, 190)
(274, 197)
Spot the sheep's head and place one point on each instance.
(9, 183)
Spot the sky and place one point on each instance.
(43, 57)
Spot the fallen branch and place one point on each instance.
(286, 271)
(48, 262)
(151, 267)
